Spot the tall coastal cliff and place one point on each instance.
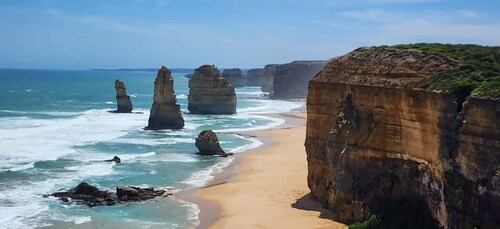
(409, 135)
(254, 77)
(210, 93)
(291, 80)
(234, 76)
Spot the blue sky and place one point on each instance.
(70, 34)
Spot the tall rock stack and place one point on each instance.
(165, 112)
(254, 77)
(266, 83)
(291, 80)
(234, 76)
(210, 93)
(122, 99)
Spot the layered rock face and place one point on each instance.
(209, 93)
(417, 158)
(291, 80)
(266, 83)
(122, 99)
(165, 112)
(234, 76)
(254, 77)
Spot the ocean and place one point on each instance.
(55, 123)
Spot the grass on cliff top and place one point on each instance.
(479, 73)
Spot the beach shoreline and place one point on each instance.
(281, 204)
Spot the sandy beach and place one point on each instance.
(268, 188)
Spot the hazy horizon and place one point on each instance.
(74, 35)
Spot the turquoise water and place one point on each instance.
(54, 123)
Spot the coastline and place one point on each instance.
(264, 187)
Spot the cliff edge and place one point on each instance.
(408, 135)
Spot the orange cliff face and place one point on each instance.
(376, 145)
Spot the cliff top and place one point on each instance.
(434, 67)
(206, 71)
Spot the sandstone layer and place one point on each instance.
(165, 112)
(416, 158)
(291, 80)
(122, 99)
(266, 83)
(254, 77)
(210, 93)
(234, 76)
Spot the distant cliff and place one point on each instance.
(291, 80)
(254, 77)
(268, 78)
(409, 134)
(234, 76)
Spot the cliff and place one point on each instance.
(268, 78)
(234, 76)
(254, 77)
(122, 99)
(291, 80)
(165, 112)
(389, 135)
(210, 93)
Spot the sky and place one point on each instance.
(71, 34)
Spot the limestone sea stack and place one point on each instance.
(208, 144)
(291, 80)
(234, 76)
(402, 134)
(266, 83)
(122, 99)
(254, 77)
(165, 112)
(210, 93)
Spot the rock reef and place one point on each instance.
(234, 76)
(91, 196)
(291, 80)
(415, 156)
(165, 112)
(254, 77)
(208, 144)
(210, 93)
(122, 99)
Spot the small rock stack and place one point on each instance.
(122, 99)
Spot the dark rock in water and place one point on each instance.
(189, 76)
(87, 194)
(254, 77)
(92, 196)
(208, 144)
(234, 76)
(165, 112)
(122, 99)
(209, 93)
(129, 193)
(115, 159)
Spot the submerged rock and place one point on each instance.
(165, 112)
(91, 196)
(209, 93)
(234, 76)
(208, 144)
(122, 99)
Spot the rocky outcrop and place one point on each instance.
(165, 112)
(91, 196)
(208, 144)
(376, 144)
(291, 80)
(209, 93)
(234, 76)
(122, 99)
(254, 77)
(268, 78)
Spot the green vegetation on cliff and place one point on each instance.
(479, 73)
